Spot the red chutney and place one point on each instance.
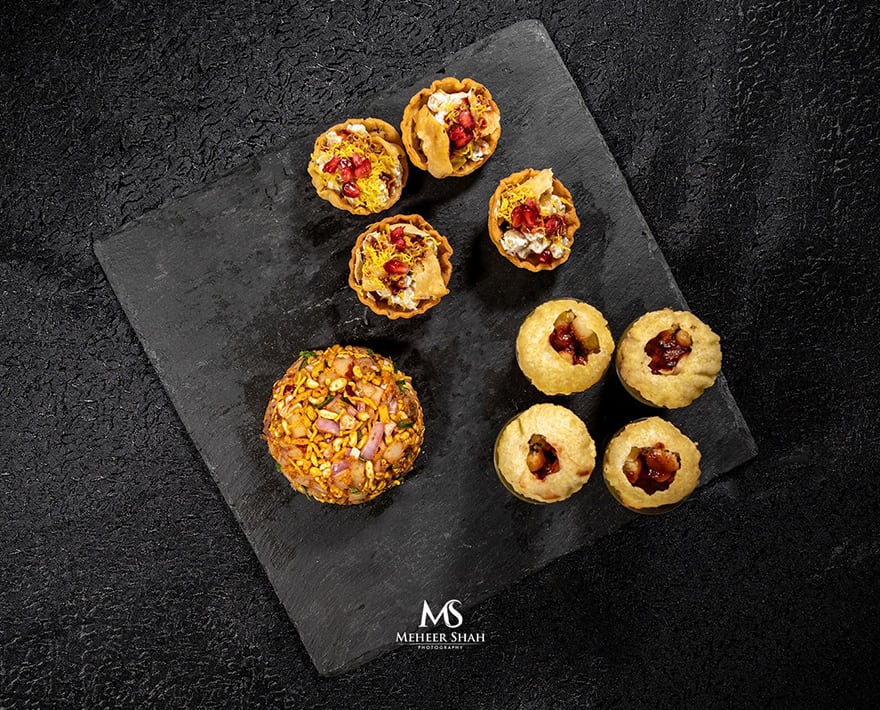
(652, 468)
(564, 340)
(667, 348)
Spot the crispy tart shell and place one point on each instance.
(389, 137)
(413, 143)
(495, 232)
(382, 308)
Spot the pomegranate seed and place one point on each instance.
(545, 257)
(330, 165)
(396, 238)
(554, 224)
(346, 170)
(363, 168)
(460, 136)
(466, 120)
(396, 267)
(349, 189)
(516, 217)
(530, 214)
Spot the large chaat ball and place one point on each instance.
(343, 424)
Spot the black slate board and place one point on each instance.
(225, 286)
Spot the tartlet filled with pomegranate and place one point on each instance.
(564, 346)
(650, 466)
(544, 454)
(532, 220)
(400, 266)
(343, 424)
(451, 128)
(359, 165)
(668, 358)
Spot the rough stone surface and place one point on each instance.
(749, 135)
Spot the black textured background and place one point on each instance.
(749, 133)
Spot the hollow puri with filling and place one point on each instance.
(650, 466)
(451, 128)
(532, 220)
(564, 346)
(400, 266)
(343, 424)
(544, 454)
(668, 358)
(359, 165)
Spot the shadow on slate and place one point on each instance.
(225, 286)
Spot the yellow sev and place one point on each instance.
(511, 198)
(374, 194)
(353, 388)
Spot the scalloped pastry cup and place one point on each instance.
(417, 132)
(572, 221)
(382, 307)
(386, 137)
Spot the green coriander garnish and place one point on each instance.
(327, 401)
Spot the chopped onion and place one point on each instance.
(392, 406)
(341, 365)
(326, 425)
(372, 392)
(340, 466)
(394, 452)
(369, 450)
